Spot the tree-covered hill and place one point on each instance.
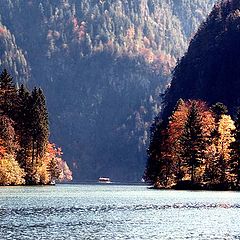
(12, 57)
(102, 65)
(210, 69)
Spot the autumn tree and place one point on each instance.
(57, 168)
(175, 130)
(219, 109)
(219, 169)
(193, 141)
(235, 154)
(10, 172)
(8, 135)
(52, 159)
(226, 126)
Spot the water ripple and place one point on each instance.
(108, 208)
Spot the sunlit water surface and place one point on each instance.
(117, 212)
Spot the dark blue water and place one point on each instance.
(116, 212)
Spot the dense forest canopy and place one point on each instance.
(102, 65)
(210, 69)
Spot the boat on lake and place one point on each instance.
(104, 180)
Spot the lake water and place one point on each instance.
(117, 212)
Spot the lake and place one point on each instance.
(117, 212)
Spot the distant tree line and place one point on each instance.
(26, 156)
(197, 148)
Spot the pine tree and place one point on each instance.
(158, 168)
(33, 132)
(192, 141)
(8, 95)
(23, 126)
(219, 109)
(39, 128)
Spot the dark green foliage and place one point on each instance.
(192, 141)
(35, 138)
(8, 94)
(219, 109)
(210, 68)
(39, 124)
(23, 126)
(156, 164)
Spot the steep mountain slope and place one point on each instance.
(102, 65)
(12, 57)
(210, 69)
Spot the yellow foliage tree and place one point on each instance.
(219, 152)
(225, 129)
(10, 172)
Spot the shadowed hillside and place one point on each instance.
(210, 69)
(102, 65)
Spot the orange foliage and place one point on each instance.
(131, 33)
(2, 31)
(62, 170)
(177, 121)
(79, 29)
(2, 148)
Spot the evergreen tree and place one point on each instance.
(23, 126)
(158, 167)
(39, 128)
(219, 109)
(192, 141)
(24, 148)
(8, 95)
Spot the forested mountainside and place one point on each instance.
(12, 57)
(210, 69)
(102, 65)
(193, 145)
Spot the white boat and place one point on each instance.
(104, 180)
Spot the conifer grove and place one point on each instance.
(26, 155)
